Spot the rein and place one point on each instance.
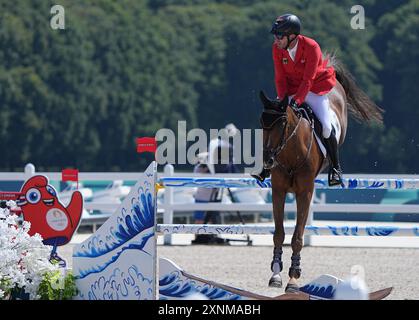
(283, 144)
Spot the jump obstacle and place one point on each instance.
(399, 184)
(119, 261)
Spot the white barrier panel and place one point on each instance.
(118, 262)
(309, 230)
(402, 184)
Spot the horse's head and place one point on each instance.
(274, 122)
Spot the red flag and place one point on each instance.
(146, 144)
(70, 175)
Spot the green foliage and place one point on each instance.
(4, 286)
(56, 287)
(397, 35)
(123, 69)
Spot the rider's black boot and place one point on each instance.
(262, 175)
(335, 171)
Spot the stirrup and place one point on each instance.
(335, 177)
(258, 177)
(261, 176)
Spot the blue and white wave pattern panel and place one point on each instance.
(119, 260)
(322, 288)
(173, 285)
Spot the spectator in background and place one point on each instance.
(207, 164)
(202, 195)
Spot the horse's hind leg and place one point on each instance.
(303, 207)
(278, 201)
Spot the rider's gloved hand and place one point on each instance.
(293, 104)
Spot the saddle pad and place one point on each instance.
(338, 131)
(321, 145)
(336, 124)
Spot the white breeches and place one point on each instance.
(321, 108)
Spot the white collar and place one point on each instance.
(293, 49)
(292, 52)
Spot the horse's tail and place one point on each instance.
(360, 105)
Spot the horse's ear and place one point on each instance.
(265, 100)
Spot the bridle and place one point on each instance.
(282, 115)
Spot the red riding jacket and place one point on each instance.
(309, 72)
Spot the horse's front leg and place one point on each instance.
(278, 202)
(303, 199)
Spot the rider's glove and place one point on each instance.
(293, 104)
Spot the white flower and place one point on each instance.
(24, 259)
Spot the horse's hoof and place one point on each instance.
(292, 288)
(275, 281)
(294, 272)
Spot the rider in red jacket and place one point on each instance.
(303, 75)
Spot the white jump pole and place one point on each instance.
(351, 183)
(169, 170)
(373, 231)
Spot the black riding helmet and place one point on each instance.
(286, 25)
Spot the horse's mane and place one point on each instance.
(360, 106)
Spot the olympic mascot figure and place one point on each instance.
(41, 207)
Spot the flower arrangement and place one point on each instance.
(25, 268)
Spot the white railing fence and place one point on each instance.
(169, 207)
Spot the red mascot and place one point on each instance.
(48, 217)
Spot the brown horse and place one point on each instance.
(295, 159)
